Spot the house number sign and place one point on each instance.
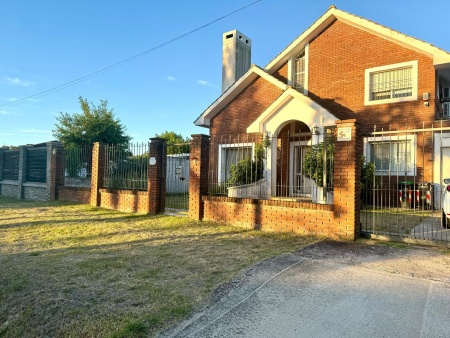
(344, 134)
(152, 161)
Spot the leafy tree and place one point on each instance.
(93, 124)
(176, 143)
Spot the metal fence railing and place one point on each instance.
(78, 166)
(177, 177)
(402, 180)
(296, 165)
(126, 166)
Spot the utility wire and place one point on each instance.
(120, 63)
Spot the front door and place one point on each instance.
(300, 184)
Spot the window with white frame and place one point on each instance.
(392, 83)
(392, 155)
(230, 154)
(298, 71)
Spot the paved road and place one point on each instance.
(332, 289)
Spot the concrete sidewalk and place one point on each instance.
(332, 289)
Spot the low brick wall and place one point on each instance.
(74, 194)
(35, 191)
(276, 215)
(9, 188)
(124, 200)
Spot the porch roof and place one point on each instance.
(311, 112)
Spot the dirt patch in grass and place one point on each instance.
(74, 270)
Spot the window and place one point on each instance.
(393, 155)
(298, 71)
(230, 154)
(393, 83)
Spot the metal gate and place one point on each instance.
(177, 178)
(402, 185)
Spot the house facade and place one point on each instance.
(343, 67)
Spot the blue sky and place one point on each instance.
(48, 43)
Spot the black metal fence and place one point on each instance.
(126, 166)
(78, 166)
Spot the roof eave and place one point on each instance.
(205, 118)
(440, 57)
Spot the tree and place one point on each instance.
(176, 143)
(93, 124)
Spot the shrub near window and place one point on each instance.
(249, 171)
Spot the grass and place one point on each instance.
(178, 201)
(77, 271)
(395, 220)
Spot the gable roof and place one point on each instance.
(204, 119)
(440, 57)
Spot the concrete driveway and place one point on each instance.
(332, 289)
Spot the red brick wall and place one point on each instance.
(74, 194)
(339, 221)
(273, 215)
(124, 200)
(338, 58)
(245, 108)
(198, 174)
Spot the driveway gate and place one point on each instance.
(402, 201)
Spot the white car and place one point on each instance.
(446, 203)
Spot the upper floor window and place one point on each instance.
(392, 83)
(298, 71)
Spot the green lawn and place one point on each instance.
(395, 220)
(77, 271)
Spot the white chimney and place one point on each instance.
(236, 57)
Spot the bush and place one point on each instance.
(248, 171)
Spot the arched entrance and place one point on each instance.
(294, 139)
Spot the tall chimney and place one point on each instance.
(236, 57)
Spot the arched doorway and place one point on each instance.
(294, 138)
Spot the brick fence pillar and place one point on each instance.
(55, 168)
(198, 179)
(347, 185)
(157, 165)
(98, 172)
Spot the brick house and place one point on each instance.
(343, 67)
